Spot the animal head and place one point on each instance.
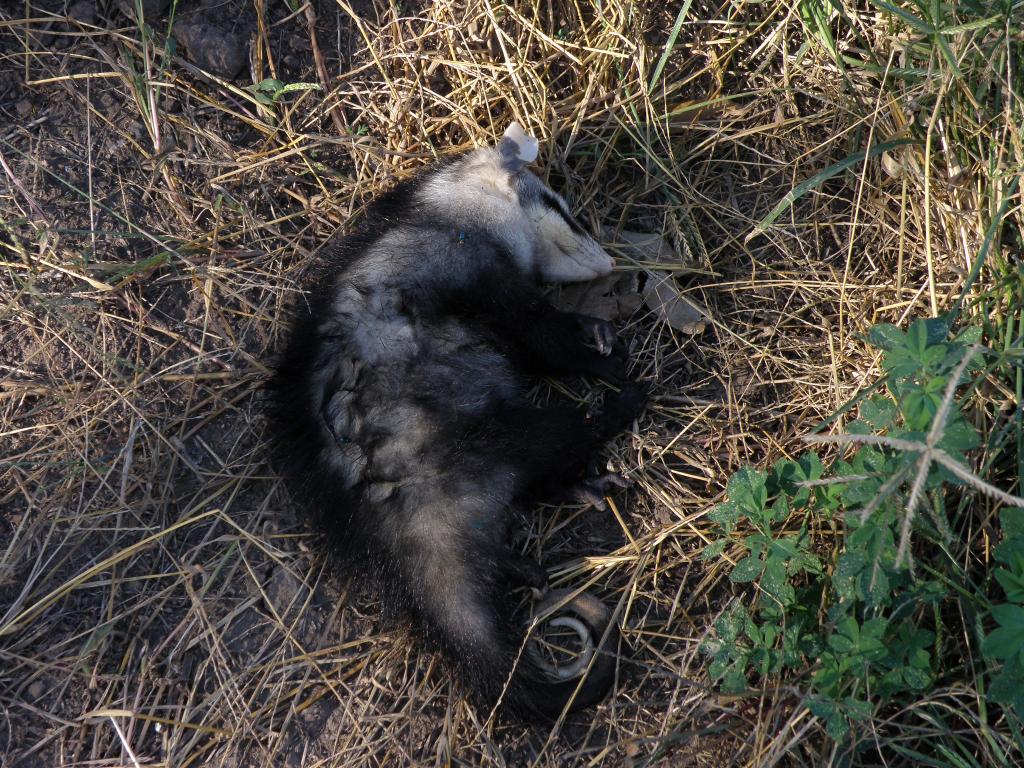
(491, 189)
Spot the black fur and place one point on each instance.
(419, 456)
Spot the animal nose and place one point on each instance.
(604, 264)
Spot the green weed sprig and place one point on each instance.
(865, 623)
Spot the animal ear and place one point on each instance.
(517, 148)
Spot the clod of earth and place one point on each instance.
(221, 52)
(83, 11)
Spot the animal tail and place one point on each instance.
(470, 615)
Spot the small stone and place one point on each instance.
(36, 690)
(23, 108)
(285, 591)
(83, 11)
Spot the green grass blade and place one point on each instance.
(970, 26)
(819, 178)
(948, 54)
(919, 24)
(669, 44)
(986, 245)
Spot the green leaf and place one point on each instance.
(774, 581)
(754, 633)
(937, 329)
(875, 585)
(859, 427)
(758, 543)
(1002, 643)
(842, 643)
(746, 489)
(788, 475)
(900, 363)
(711, 646)
(892, 682)
(1012, 521)
(919, 407)
(714, 549)
(916, 679)
(1010, 616)
(932, 357)
(730, 624)
(823, 708)
(746, 570)
(959, 437)
(785, 548)
(857, 709)
(874, 628)
(829, 677)
(848, 569)
(879, 412)
(267, 85)
(886, 336)
(735, 680)
(837, 727)
(719, 666)
(832, 715)
(1012, 584)
(917, 338)
(1008, 686)
(725, 515)
(779, 509)
(971, 334)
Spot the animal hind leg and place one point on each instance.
(550, 448)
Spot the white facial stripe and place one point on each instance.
(563, 254)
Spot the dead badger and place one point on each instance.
(401, 414)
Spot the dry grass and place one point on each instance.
(158, 605)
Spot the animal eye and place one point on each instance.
(559, 207)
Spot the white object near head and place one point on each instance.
(517, 147)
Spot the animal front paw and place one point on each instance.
(604, 354)
(622, 407)
(598, 334)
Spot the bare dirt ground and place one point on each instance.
(159, 603)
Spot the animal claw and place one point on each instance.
(600, 334)
(604, 339)
(593, 490)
